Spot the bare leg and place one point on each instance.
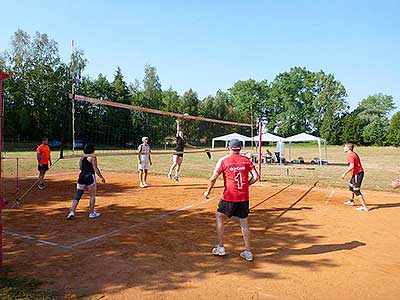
(362, 200)
(174, 163)
(179, 163)
(41, 177)
(141, 176)
(92, 193)
(145, 176)
(246, 232)
(219, 217)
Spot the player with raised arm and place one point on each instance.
(177, 158)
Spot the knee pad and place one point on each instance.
(78, 195)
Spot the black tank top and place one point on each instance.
(180, 144)
(86, 166)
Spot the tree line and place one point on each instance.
(295, 101)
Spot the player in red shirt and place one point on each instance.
(44, 159)
(235, 169)
(357, 175)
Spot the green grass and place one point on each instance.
(22, 289)
(381, 165)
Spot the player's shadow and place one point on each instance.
(383, 205)
(153, 246)
(319, 249)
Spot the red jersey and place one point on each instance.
(353, 158)
(235, 169)
(44, 151)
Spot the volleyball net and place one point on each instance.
(117, 128)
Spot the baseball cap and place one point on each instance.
(235, 144)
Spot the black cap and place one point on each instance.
(235, 144)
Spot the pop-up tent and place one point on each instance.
(305, 137)
(268, 137)
(228, 137)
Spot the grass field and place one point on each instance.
(381, 165)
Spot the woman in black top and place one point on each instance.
(178, 156)
(87, 179)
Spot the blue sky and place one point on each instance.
(209, 45)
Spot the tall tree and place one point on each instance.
(393, 136)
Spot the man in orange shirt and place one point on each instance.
(357, 175)
(44, 159)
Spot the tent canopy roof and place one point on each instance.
(268, 137)
(303, 137)
(232, 136)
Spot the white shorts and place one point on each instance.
(144, 166)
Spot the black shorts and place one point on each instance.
(355, 183)
(236, 209)
(43, 167)
(86, 178)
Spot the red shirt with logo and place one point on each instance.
(353, 158)
(235, 169)
(43, 150)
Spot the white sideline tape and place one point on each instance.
(95, 238)
(138, 224)
(330, 196)
(37, 240)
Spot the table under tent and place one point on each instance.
(305, 137)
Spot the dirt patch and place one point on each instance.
(155, 243)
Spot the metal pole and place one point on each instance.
(259, 146)
(73, 94)
(17, 187)
(2, 202)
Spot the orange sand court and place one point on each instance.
(155, 243)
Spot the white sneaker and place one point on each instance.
(362, 208)
(41, 186)
(71, 214)
(145, 185)
(349, 202)
(94, 214)
(218, 251)
(169, 176)
(247, 255)
(176, 177)
(142, 185)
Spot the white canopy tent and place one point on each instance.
(268, 137)
(305, 137)
(228, 137)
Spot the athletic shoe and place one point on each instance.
(362, 208)
(218, 251)
(94, 214)
(142, 185)
(71, 214)
(169, 176)
(145, 185)
(176, 178)
(247, 255)
(41, 186)
(349, 202)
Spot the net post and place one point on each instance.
(2, 202)
(259, 146)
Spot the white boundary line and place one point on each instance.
(330, 196)
(27, 237)
(107, 234)
(95, 238)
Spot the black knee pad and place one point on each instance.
(78, 195)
